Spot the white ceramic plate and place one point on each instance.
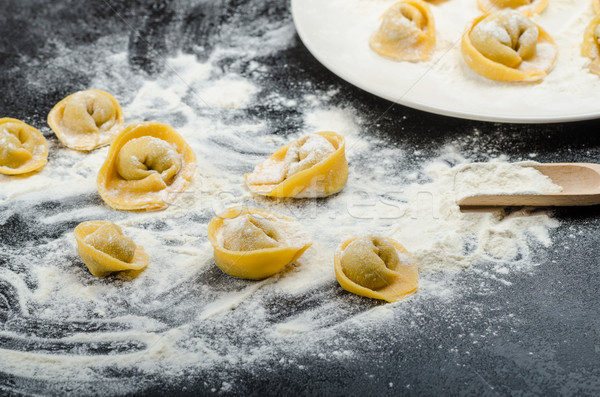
(337, 33)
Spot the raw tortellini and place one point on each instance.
(148, 165)
(508, 46)
(591, 44)
(312, 166)
(252, 243)
(375, 267)
(406, 33)
(86, 119)
(527, 7)
(105, 249)
(23, 148)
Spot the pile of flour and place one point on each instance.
(502, 178)
(442, 237)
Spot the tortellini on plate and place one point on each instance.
(23, 148)
(527, 7)
(251, 243)
(86, 119)
(148, 165)
(105, 249)
(508, 46)
(375, 267)
(591, 44)
(406, 32)
(312, 166)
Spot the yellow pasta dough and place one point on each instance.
(375, 267)
(254, 244)
(312, 166)
(591, 44)
(86, 119)
(596, 5)
(508, 46)
(527, 7)
(406, 32)
(148, 165)
(23, 148)
(105, 249)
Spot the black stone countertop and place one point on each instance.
(551, 348)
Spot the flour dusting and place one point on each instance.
(182, 316)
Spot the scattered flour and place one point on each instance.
(181, 313)
(228, 94)
(342, 121)
(441, 237)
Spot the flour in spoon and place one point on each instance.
(502, 178)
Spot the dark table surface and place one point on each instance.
(550, 347)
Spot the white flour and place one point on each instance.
(181, 312)
(442, 237)
(231, 93)
(502, 178)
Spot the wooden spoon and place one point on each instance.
(580, 183)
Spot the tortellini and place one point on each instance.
(23, 148)
(508, 46)
(406, 33)
(527, 7)
(591, 44)
(105, 249)
(312, 166)
(254, 244)
(596, 5)
(86, 119)
(148, 165)
(375, 267)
